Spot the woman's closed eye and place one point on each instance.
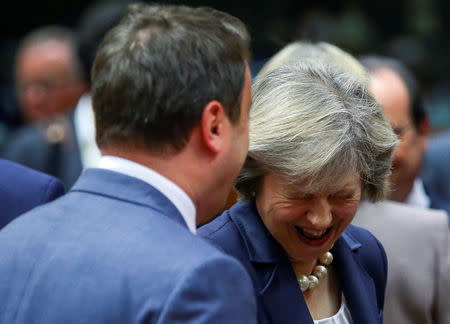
(343, 195)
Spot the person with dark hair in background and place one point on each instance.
(416, 239)
(397, 91)
(436, 169)
(22, 189)
(48, 73)
(171, 97)
(65, 146)
(49, 83)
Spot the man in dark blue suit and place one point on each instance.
(436, 169)
(22, 189)
(171, 96)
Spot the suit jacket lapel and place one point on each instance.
(281, 295)
(276, 281)
(357, 285)
(277, 285)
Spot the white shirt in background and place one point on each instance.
(84, 123)
(418, 197)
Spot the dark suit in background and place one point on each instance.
(436, 171)
(22, 189)
(49, 147)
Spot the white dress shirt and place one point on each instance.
(343, 316)
(84, 123)
(418, 197)
(169, 189)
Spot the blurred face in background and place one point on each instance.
(47, 81)
(390, 91)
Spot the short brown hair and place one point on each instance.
(155, 72)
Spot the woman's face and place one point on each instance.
(307, 224)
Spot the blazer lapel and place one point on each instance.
(281, 295)
(277, 285)
(357, 285)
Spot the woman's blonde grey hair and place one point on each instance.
(314, 124)
(302, 51)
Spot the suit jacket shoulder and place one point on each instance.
(125, 254)
(22, 189)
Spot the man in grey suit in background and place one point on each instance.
(417, 246)
(171, 95)
(416, 239)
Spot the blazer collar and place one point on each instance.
(358, 287)
(260, 244)
(120, 186)
(276, 280)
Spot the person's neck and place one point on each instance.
(177, 166)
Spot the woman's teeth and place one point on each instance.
(313, 234)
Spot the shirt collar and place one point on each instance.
(417, 196)
(169, 189)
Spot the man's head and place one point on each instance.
(173, 79)
(48, 74)
(396, 90)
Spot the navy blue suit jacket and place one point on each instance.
(30, 146)
(359, 258)
(22, 189)
(115, 250)
(436, 172)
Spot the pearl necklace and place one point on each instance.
(320, 271)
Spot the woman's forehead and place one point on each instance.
(321, 185)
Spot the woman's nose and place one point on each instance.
(319, 213)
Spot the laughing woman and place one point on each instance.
(318, 144)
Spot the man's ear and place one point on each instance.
(213, 126)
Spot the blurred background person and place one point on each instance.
(318, 144)
(49, 83)
(416, 32)
(65, 145)
(48, 73)
(436, 169)
(397, 91)
(418, 287)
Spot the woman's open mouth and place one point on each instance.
(313, 237)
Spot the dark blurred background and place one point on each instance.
(415, 31)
